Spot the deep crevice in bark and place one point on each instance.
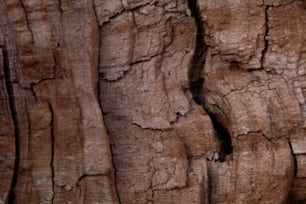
(293, 157)
(52, 152)
(12, 110)
(196, 81)
(226, 147)
(266, 34)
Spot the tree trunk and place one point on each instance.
(150, 101)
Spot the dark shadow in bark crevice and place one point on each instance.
(197, 80)
(12, 109)
(226, 147)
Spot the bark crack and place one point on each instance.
(121, 11)
(13, 115)
(52, 152)
(102, 115)
(112, 157)
(196, 81)
(88, 175)
(293, 157)
(195, 71)
(27, 19)
(115, 175)
(169, 127)
(266, 37)
(33, 84)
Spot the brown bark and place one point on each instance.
(172, 101)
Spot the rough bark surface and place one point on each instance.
(152, 101)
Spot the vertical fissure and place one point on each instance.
(52, 152)
(293, 157)
(13, 114)
(196, 81)
(100, 102)
(107, 131)
(110, 146)
(266, 35)
(226, 147)
(115, 174)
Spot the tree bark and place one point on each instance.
(150, 101)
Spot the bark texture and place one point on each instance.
(152, 101)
